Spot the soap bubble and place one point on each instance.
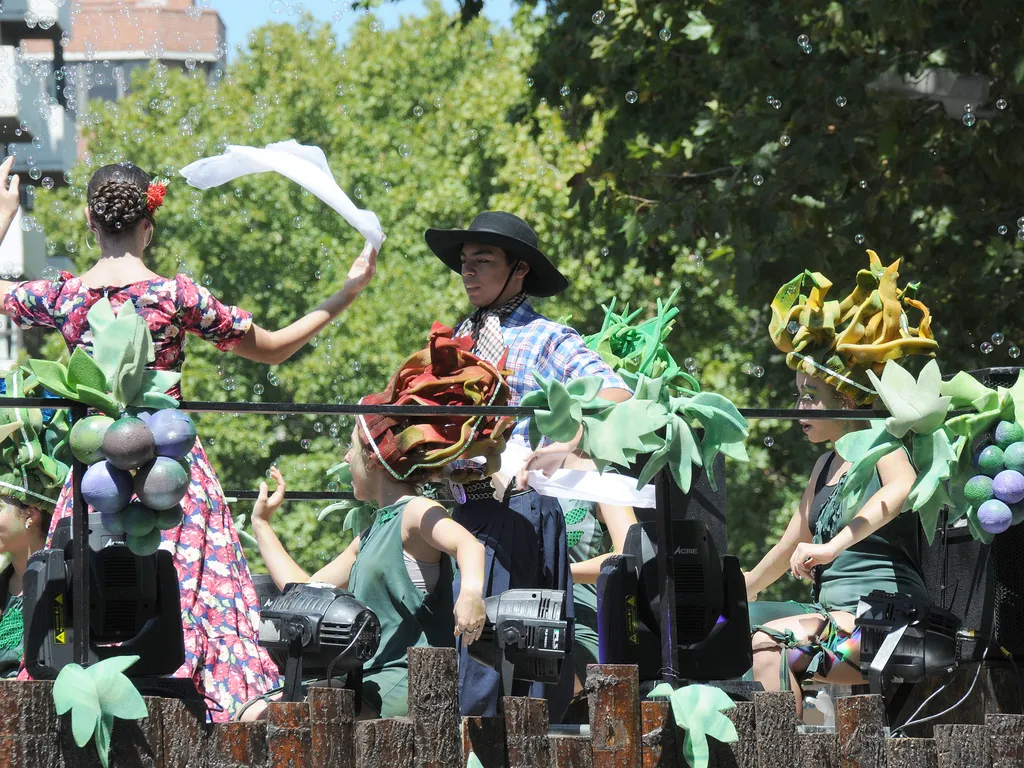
(784, 140)
(1020, 223)
(665, 35)
(969, 119)
(696, 259)
(207, 280)
(840, 101)
(305, 443)
(257, 388)
(1020, 233)
(358, 192)
(690, 364)
(272, 378)
(858, 239)
(1001, 104)
(769, 441)
(598, 17)
(631, 97)
(998, 338)
(758, 371)
(529, 82)
(404, 150)
(438, 102)
(1013, 351)
(747, 368)
(807, 48)
(1002, 229)
(472, 134)
(230, 384)
(776, 104)
(863, 184)
(758, 180)
(332, 487)
(793, 327)
(418, 111)
(803, 40)
(564, 91)
(968, 108)
(986, 347)
(376, 26)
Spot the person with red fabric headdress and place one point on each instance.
(400, 567)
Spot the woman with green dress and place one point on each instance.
(846, 547)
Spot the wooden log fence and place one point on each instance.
(625, 733)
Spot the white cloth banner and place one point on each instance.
(303, 164)
(607, 488)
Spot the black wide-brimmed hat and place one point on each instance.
(512, 235)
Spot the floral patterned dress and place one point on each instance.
(219, 605)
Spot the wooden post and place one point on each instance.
(743, 752)
(775, 722)
(659, 747)
(1005, 740)
(28, 725)
(526, 732)
(613, 691)
(958, 746)
(331, 725)
(289, 742)
(237, 745)
(571, 752)
(912, 753)
(434, 706)
(185, 733)
(817, 750)
(485, 738)
(860, 721)
(388, 743)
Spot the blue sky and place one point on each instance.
(240, 16)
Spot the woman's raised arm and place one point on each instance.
(273, 347)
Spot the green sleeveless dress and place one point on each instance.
(587, 538)
(12, 627)
(408, 617)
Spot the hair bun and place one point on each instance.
(118, 198)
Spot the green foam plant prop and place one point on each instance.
(918, 411)
(115, 376)
(246, 538)
(95, 696)
(699, 711)
(473, 761)
(360, 513)
(654, 421)
(34, 454)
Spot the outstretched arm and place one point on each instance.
(9, 202)
(273, 347)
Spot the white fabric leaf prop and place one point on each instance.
(303, 164)
(915, 405)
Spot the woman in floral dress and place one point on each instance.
(219, 606)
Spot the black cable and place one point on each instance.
(264, 698)
(346, 649)
(946, 711)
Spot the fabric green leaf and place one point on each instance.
(853, 445)
(716, 412)
(53, 376)
(82, 370)
(586, 388)
(99, 400)
(246, 538)
(104, 730)
(929, 510)
(156, 400)
(859, 476)
(915, 405)
(75, 690)
(618, 433)
(934, 459)
(561, 420)
(117, 696)
(661, 690)
(683, 454)
(473, 761)
(698, 710)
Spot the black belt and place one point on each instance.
(482, 489)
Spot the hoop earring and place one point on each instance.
(150, 239)
(87, 243)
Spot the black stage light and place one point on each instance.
(525, 637)
(710, 633)
(134, 609)
(903, 639)
(320, 631)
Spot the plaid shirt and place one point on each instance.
(553, 350)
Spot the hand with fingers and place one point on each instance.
(362, 270)
(9, 198)
(470, 615)
(264, 508)
(807, 556)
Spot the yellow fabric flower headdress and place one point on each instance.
(840, 341)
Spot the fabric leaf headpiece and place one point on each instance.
(34, 453)
(840, 341)
(443, 373)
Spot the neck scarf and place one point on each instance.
(488, 341)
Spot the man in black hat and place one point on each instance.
(500, 265)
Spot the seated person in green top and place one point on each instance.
(22, 532)
(845, 552)
(400, 567)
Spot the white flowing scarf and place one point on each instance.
(303, 164)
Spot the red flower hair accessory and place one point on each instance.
(155, 195)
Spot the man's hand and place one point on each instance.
(548, 459)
